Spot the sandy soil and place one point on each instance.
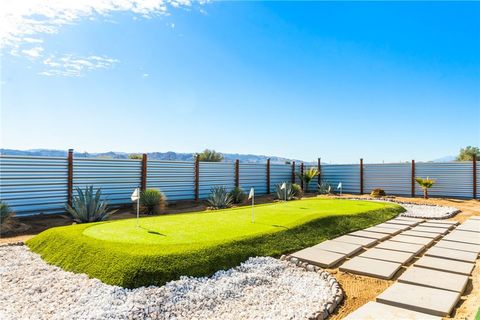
(358, 289)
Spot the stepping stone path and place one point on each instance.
(428, 289)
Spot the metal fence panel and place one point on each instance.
(394, 178)
(347, 174)
(215, 174)
(117, 178)
(33, 184)
(253, 175)
(176, 179)
(279, 173)
(454, 179)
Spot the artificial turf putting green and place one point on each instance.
(198, 244)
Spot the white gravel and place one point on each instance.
(261, 288)
(428, 212)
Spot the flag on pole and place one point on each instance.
(135, 195)
(339, 185)
(251, 194)
(284, 186)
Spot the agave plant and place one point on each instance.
(210, 156)
(237, 195)
(286, 193)
(5, 212)
(219, 198)
(153, 201)
(308, 176)
(324, 187)
(425, 184)
(88, 207)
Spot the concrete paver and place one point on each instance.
(374, 311)
(430, 229)
(436, 225)
(383, 230)
(452, 254)
(371, 267)
(392, 226)
(401, 246)
(434, 279)
(388, 255)
(430, 235)
(469, 227)
(412, 239)
(339, 247)
(445, 265)
(449, 222)
(403, 222)
(463, 236)
(433, 301)
(322, 258)
(410, 219)
(365, 242)
(458, 246)
(477, 218)
(368, 234)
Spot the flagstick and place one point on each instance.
(138, 211)
(253, 213)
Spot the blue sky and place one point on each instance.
(382, 81)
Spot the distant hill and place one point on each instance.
(170, 155)
(445, 159)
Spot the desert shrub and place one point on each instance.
(308, 176)
(237, 195)
(426, 184)
(297, 191)
(152, 201)
(324, 187)
(5, 212)
(135, 156)
(210, 156)
(378, 193)
(284, 194)
(87, 206)
(219, 198)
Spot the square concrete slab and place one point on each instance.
(365, 242)
(436, 225)
(412, 239)
(322, 258)
(463, 236)
(388, 255)
(469, 227)
(452, 254)
(374, 311)
(383, 230)
(368, 234)
(445, 265)
(434, 279)
(392, 226)
(475, 248)
(371, 267)
(430, 235)
(430, 229)
(339, 247)
(403, 222)
(401, 246)
(433, 301)
(447, 222)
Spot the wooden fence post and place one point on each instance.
(413, 179)
(143, 178)
(319, 168)
(301, 175)
(268, 176)
(293, 171)
(361, 175)
(197, 177)
(70, 177)
(237, 173)
(474, 166)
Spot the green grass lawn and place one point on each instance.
(166, 247)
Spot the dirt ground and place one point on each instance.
(358, 289)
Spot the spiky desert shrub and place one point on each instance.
(284, 194)
(237, 195)
(208, 155)
(219, 198)
(308, 176)
(152, 201)
(5, 212)
(324, 187)
(297, 190)
(87, 206)
(425, 184)
(377, 193)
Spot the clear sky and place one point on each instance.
(382, 81)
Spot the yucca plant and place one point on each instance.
(307, 176)
(219, 198)
(5, 212)
(87, 206)
(425, 184)
(152, 201)
(237, 195)
(285, 194)
(210, 156)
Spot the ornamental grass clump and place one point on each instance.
(219, 198)
(5, 212)
(425, 184)
(377, 193)
(152, 201)
(237, 195)
(87, 206)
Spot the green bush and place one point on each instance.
(308, 176)
(208, 155)
(5, 212)
(237, 195)
(377, 193)
(219, 198)
(425, 184)
(152, 201)
(87, 206)
(297, 190)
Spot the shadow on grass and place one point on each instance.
(153, 232)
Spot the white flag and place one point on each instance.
(284, 186)
(339, 185)
(135, 195)
(251, 194)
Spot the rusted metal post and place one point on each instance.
(319, 168)
(301, 175)
(293, 171)
(361, 176)
(413, 179)
(268, 176)
(70, 177)
(143, 178)
(474, 166)
(237, 173)
(197, 177)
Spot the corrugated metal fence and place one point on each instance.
(32, 185)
